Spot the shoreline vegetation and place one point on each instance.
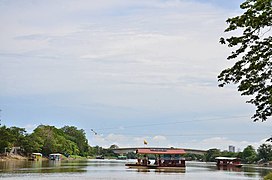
(71, 142)
(12, 157)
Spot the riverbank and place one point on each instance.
(12, 157)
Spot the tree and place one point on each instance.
(32, 144)
(77, 136)
(253, 51)
(265, 152)
(53, 140)
(249, 155)
(4, 139)
(212, 154)
(11, 137)
(114, 146)
(18, 135)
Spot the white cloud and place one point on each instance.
(221, 143)
(159, 138)
(117, 59)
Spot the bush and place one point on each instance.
(268, 177)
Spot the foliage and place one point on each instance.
(212, 154)
(54, 140)
(114, 146)
(265, 152)
(194, 157)
(32, 143)
(252, 50)
(11, 137)
(77, 136)
(229, 154)
(268, 176)
(249, 155)
(96, 151)
(45, 139)
(131, 155)
(71, 141)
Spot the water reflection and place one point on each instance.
(41, 166)
(226, 168)
(115, 169)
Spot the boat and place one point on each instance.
(228, 162)
(55, 157)
(35, 157)
(121, 157)
(99, 157)
(165, 159)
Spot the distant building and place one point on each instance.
(231, 148)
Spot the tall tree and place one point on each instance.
(53, 140)
(252, 52)
(11, 137)
(249, 155)
(265, 152)
(212, 154)
(77, 136)
(5, 137)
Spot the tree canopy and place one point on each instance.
(252, 52)
(45, 139)
(265, 152)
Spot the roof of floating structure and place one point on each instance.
(55, 154)
(226, 158)
(160, 151)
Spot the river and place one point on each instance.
(116, 170)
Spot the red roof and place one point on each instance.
(160, 151)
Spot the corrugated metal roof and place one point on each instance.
(226, 158)
(160, 151)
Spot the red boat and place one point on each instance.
(228, 162)
(166, 159)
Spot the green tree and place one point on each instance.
(32, 144)
(5, 136)
(252, 50)
(11, 137)
(18, 136)
(114, 146)
(268, 176)
(265, 152)
(212, 154)
(249, 155)
(53, 140)
(77, 136)
(229, 154)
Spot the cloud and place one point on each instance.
(222, 143)
(159, 139)
(139, 49)
(218, 142)
(116, 62)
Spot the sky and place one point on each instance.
(130, 70)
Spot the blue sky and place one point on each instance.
(130, 70)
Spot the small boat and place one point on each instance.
(166, 159)
(99, 157)
(55, 157)
(35, 157)
(228, 162)
(121, 157)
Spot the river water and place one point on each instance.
(116, 170)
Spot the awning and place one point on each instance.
(160, 151)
